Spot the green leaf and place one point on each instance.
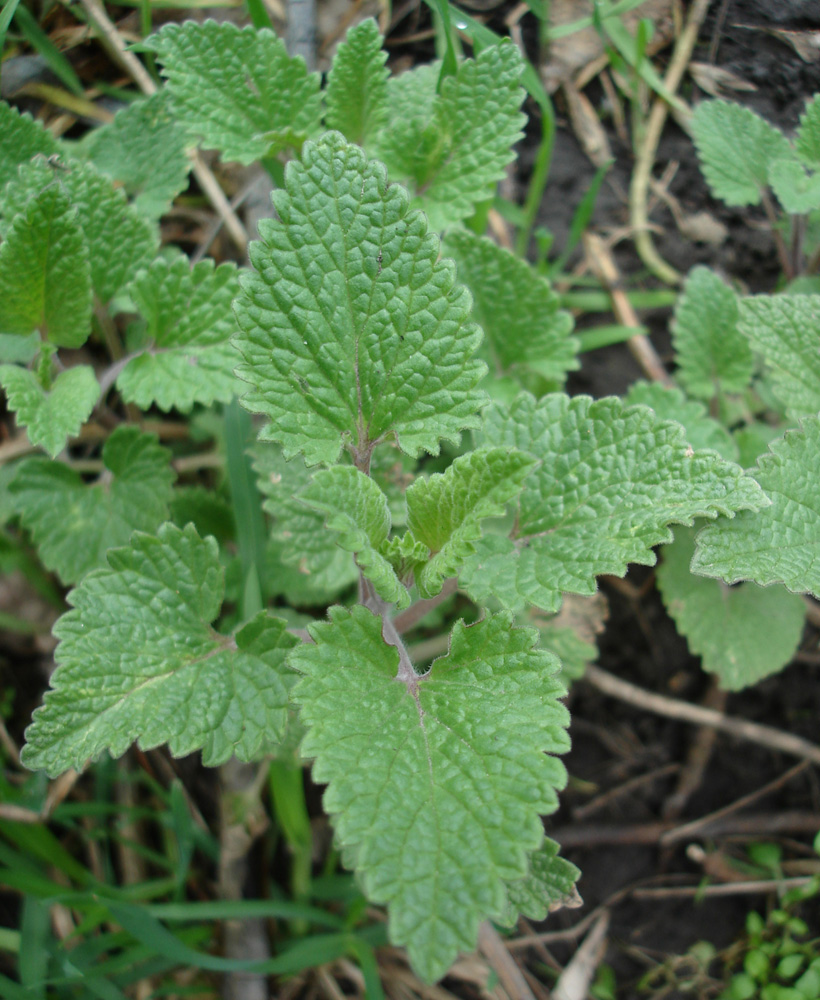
(451, 148)
(445, 511)
(45, 280)
(74, 523)
(356, 91)
(352, 329)
(21, 138)
(515, 307)
(237, 89)
(796, 190)
(742, 633)
(713, 356)
(807, 140)
(780, 544)
(784, 329)
(702, 431)
(139, 660)
(571, 635)
(549, 884)
(356, 509)
(612, 479)
(189, 322)
(119, 240)
(436, 784)
(50, 416)
(144, 149)
(298, 534)
(735, 147)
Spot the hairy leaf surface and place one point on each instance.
(50, 416)
(741, 633)
(436, 785)
(611, 481)
(351, 327)
(139, 661)
(807, 140)
(21, 138)
(515, 307)
(780, 544)
(73, 523)
(549, 883)
(669, 403)
(797, 191)
(189, 322)
(356, 91)
(713, 356)
(238, 89)
(735, 147)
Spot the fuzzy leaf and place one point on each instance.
(741, 633)
(45, 280)
(73, 523)
(797, 191)
(549, 884)
(436, 785)
(351, 327)
(119, 240)
(357, 510)
(735, 147)
(189, 323)
(785, 330)
(702, 431)
(50, 416)
(139, 661)
(451, 148)
(298, 534)
(238, 89)
(21, 138)
(712, 355)
(807, 140)
(612, 479)
(356, 91)
(445, 511)
(780, 544)
(515, 307)
(144, 149)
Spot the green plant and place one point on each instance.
(361, 352)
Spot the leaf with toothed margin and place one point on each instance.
(138, 660)
(780, 544)
(549, 885)
(356, 509)
(807, 140)
(21, 138)
(669, 403)
(435, 783)
(356, 91)
(352, 329)
(611, 481)
(445, 511)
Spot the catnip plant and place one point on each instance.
(405, 374)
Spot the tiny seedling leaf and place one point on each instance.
(356, 91)
(139, 660)
(351, 327)
(436, 784)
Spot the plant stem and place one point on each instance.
(404, 621)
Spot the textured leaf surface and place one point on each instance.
(796, 190)
(436, 786)
(807, 140)
(516, 309)
(450, 148)
(138, 660)
(237, 89)
(735, 147)
(702, 431)
(356, 509)
(351, 327)
(73, 523)
(445, 511)
(21, 138)
(144, 149)
(298, 534)
(785, 329)
(780, 544)
(612, 479)
(712, 354)
(45, 279)
(741, 633)
(119, 241)
(549, 883)
(50, 417)
(356, 91)
(189, 323)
